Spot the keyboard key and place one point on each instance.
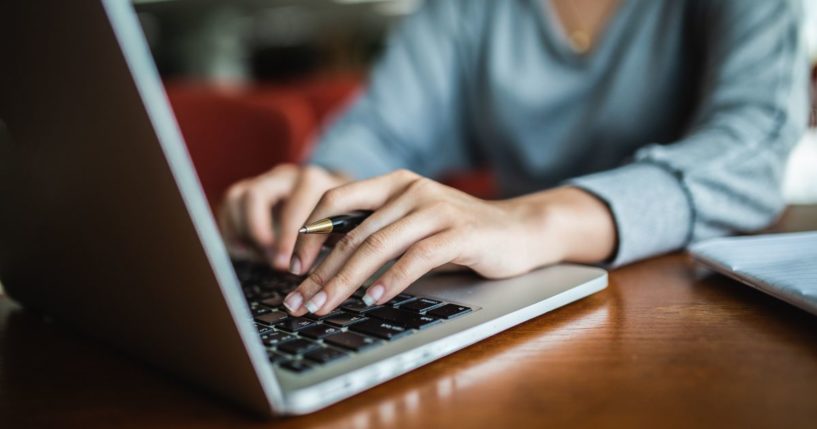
(279, 284)
(319, 331)
(275, 337)
(286, 280)
(294, 324)
(243, 270)
(271, 318)
(274, 300)
(297, 346)
(403, 318)
(296, 366)
(357, 306)
(400, 299)
(251, 292)
(258, 310)
(267, 294)
(262, 328)
(421, 304)
(345, 319)
(275, 357)
(324, 355)
(380, 329)
(315, 317)
(350, 340)
(449, 311)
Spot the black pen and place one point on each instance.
(341, 223)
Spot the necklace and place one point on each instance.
(579, 31)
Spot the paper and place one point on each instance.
(782, 265)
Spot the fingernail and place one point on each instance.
(293, 302)
(295, 266)
(281, 260)
(316, 302)
(373, 294)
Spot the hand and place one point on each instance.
(425, 224)
(246, 216)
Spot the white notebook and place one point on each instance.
(782, 265)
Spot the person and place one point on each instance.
(617, 130)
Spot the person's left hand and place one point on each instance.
(430, 225)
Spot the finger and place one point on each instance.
(370, 194)
(232, 213)
(225, 224)
(236, 247)
(295, 300)
(257, 207)
(389, 213)
(418, 260)
(348, 266)
(305, 195)
(258, 201)
(243, 252)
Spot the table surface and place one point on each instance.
(667, 344)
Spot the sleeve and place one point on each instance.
(724, 175)
(409, 116)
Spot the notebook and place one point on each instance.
(781, 265)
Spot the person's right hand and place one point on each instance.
(288, 191)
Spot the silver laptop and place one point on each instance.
(104, 227)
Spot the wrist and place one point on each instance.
(566, 224)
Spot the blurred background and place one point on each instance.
(241, 41)
(253, 81)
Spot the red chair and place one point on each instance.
(325, 95)
(231, 137)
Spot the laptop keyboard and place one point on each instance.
(300, 344)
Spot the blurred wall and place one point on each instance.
(266, 40)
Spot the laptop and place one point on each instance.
(104, 227)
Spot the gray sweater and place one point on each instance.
(680, 119)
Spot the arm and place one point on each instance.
(424, 225)
(408, 116)
(724, 176)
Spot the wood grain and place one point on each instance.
(666, 345)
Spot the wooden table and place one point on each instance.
(666, 345)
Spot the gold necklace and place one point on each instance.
(579, 35)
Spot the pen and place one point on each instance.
(341, 223)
